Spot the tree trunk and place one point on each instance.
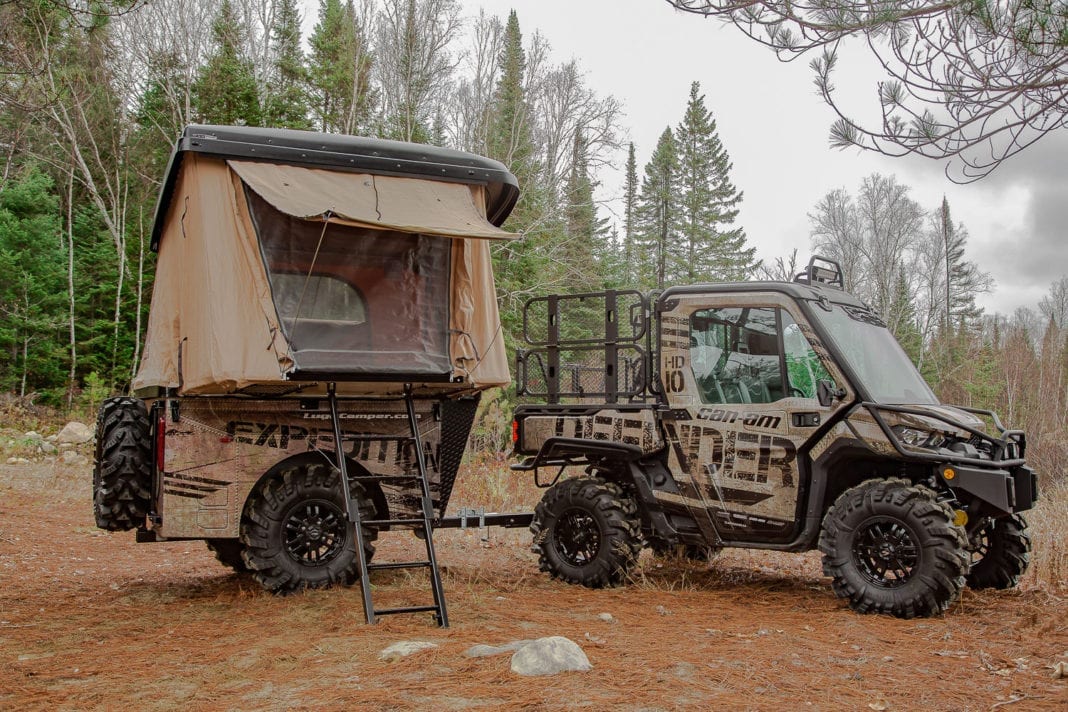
(70, 290)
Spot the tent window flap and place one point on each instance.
(356, 302)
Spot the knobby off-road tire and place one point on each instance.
(891, 547)
(295, 532)
(229, 552)
(1001, 553)
(587, 531)
(122, 467)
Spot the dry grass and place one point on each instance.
(1049, 534)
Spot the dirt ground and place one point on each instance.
(90, 620)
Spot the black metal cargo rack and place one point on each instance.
(580, 347)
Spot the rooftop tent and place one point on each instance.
(288, 259)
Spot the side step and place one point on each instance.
(425, 522)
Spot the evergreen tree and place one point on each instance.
(584, 253)
(340, 70)
(710, 247)
(963, 279)
(657, 214)
(32, 292)
(630, 216)
(225, 90)
(523, 267)
(287, 104)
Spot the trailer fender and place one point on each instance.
(354, 467)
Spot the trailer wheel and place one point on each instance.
(228, 553)
(122, 466)
(587, 531)
(1001, 552)
(295, 532)
(891, 547)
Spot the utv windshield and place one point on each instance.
(874, 356)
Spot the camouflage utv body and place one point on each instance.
(766, 415)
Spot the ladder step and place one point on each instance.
(399, 565)
(385, 522)
(385, 478)
(405, 609)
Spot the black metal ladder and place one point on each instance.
(425, 522)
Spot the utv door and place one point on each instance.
(740, 374)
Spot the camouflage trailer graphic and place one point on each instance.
(219, 448)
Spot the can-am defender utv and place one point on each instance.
(771, 415)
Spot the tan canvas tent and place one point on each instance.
(290, 259)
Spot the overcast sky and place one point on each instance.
(775, 128)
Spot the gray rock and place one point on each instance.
(607, 617)
(72, 457)
(484, 651)
(549, 656)
(75, 432)
(404, 648)
(12, 461)
(48, 448)
(33, 436)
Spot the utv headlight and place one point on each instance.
(914, 437)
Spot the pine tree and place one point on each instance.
(523, 267)
(225, 90)
(630, 217)
(710, 247)
(963, 279)
(287, 104)
(657, 214)
(32, 292)
(584, 252)
(340, 70)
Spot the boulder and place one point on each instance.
(404, 648)
(75, 432)
(549, 656)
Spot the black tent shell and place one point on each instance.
(341, 152)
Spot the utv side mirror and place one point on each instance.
(827, 392)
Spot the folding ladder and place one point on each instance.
(424, 523)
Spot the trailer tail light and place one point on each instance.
(161, 440)
(515, 432)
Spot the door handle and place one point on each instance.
(805, 420)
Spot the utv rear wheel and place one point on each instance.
(587, 531)
(891, 547)
(122, 467)
(1001, 552)
(229, 553)
(296, 533)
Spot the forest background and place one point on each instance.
(91, 101)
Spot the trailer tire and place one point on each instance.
(587, 531)
(229, 553)
(296, 534)
(122, 465)
(892, 547)
(1001, 553)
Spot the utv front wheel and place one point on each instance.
(122, 467)
(296, 533)
(1001, 552)
(891, 547)
(587, 531)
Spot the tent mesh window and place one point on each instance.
(356, 302)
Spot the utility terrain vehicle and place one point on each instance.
(771, 415)
(314, 294)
